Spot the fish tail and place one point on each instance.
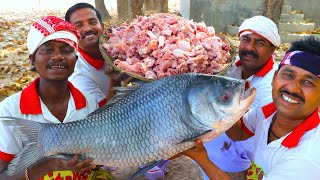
(27, 132)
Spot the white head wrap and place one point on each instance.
(261, 26)
(51, 28)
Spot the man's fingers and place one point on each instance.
(128, 80)
(87, 168)
(84, 165)
(73, 161)
(108, 70)
(198, 143)
(119, 76)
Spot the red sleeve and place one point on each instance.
(6, 157)
(103, 102)
(245, 129)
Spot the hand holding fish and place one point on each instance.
(73, 164)
(47, 164)
(199, 154)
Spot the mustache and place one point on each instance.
(293, 94)
(251, 53)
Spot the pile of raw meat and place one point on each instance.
(166, 44)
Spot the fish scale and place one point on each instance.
(152, 123)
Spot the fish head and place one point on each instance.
(215, 103)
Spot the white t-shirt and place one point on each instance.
(28, 105)
(89, 77)
(234, 156)
(261, 80)
(292, 157)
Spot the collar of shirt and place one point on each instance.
(30, 100)
(97, 63)
(264, 70)
(294, 137)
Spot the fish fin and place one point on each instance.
(145, 168)
(122, 92)
(196, 137)
(27, 132)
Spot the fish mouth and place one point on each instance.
(248, 93)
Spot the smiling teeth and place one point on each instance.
(57, 67)
(286, 98)
(91, 35)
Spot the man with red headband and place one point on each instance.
(286, 128)
(51, 98)
(258, 40)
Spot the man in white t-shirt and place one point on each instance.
(286, 128)
(52, 44)
(258, 40)
(89, 74)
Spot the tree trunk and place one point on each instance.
(149, 5)
(164, 6)
(156, 5)
(272, 9)
(122, 8)
(135, 8)
(129, 9)
(101, 7)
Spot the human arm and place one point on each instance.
(199, 154)
(237, 132)
(245, 127)
(46, 165)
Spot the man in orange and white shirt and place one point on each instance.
(51, 98)
(286, 128)
(258, 40)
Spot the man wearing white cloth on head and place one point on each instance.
(259, 38)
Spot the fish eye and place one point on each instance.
(225, 97)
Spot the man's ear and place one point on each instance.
(31, 57)
(102, 25)
(274, 48)
(274, 76)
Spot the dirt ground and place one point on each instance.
(15, 74)
(182, 168)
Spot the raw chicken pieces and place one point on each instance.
(166, 44)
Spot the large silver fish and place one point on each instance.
(141, 126)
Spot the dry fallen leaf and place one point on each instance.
(296, 12)
(3, 92)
